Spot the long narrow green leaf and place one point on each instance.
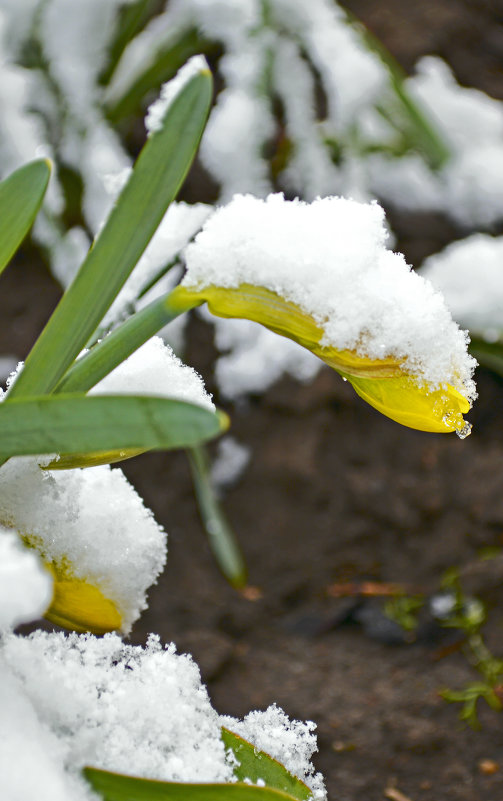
(21, 195)
(156, 178)
(117, 346)
(221, 537)
(255, 765)
(117, 787)
(79, 424)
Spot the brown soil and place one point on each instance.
(335, 493)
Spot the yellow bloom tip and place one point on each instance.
(80, 606)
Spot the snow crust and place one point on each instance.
(170, 89)
(91, 519)
(154, 369)
(117, 707)
(329, 258)
(25, 586)
(70, 701)
(469, 273)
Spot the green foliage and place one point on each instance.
(221, 538)
(403, 610)
(21, 195)
(469, 615)
(80, 425)
(254, 765)
(159, 171)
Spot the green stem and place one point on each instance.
(221, 538)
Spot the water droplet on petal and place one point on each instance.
(464, 431)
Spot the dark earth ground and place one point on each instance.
(333, 493)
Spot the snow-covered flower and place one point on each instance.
(102, 546)
(321, 275)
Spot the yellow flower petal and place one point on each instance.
(80, 606)
(407, 402)
(383, 383)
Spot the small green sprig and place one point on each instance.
(469, 615)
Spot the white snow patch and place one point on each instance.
(117, 707)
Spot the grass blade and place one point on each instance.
(156, 178)
(117, 787)
(77, 424)
(221, 537)
(21, 195)
(255, 764)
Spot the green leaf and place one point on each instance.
(78, 424)
(21, 195)
(221, 537)
(158, 174)
(255, 764)
(117, 787)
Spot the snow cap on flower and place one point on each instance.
(321, 275)
(102, 546)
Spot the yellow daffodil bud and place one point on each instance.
(383, 383)
(320, 275)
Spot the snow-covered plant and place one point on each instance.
(85, 718)
(313, 105)
(309, 104)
